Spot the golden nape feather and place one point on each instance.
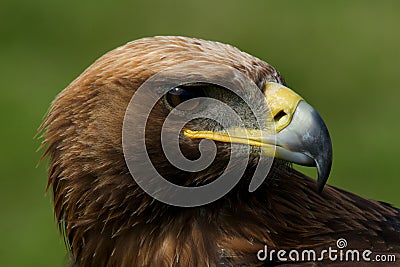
(109, 220)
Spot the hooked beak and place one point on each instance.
(301, 135)
(306, 141)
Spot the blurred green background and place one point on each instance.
(342, 56)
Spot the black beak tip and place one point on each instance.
(321, 184)
(323, 173)
(323, 159)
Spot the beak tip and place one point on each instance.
(323, 174)
(320, 185)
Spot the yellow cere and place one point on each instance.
(283, 101)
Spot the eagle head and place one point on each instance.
(107, 137)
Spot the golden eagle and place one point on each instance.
(108, 220)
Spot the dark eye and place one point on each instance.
(179, 95)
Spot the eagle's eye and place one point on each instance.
(181, 94)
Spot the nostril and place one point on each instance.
(279, 115)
